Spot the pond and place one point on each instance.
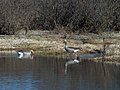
(50, 73)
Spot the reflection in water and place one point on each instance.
(47, 73)
(70, 62)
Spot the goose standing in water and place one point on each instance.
(71, 50)
(22, 54)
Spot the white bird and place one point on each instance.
(22, 54)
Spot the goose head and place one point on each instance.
(99, 51)
(32, 52)
(65, 42)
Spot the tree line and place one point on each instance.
(73, 15)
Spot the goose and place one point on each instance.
(70, 49)
(22, 54)
(92, 54)
(99, 52)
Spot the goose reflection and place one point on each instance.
(70, 62)
(25, 55)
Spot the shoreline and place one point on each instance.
(106, 60)
(50, 43)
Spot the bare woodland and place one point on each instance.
(93, 16)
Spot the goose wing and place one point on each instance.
(20, 55)
(27, 53)
(73, 49)
(69, 49)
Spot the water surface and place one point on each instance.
(48, 73)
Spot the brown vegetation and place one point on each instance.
(72, 15)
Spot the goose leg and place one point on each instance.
(70, 56)
(75, 56)
(66, 68)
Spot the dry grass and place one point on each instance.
(53, 43)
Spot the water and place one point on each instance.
(48, 73)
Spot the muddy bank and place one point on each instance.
(49, 43)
